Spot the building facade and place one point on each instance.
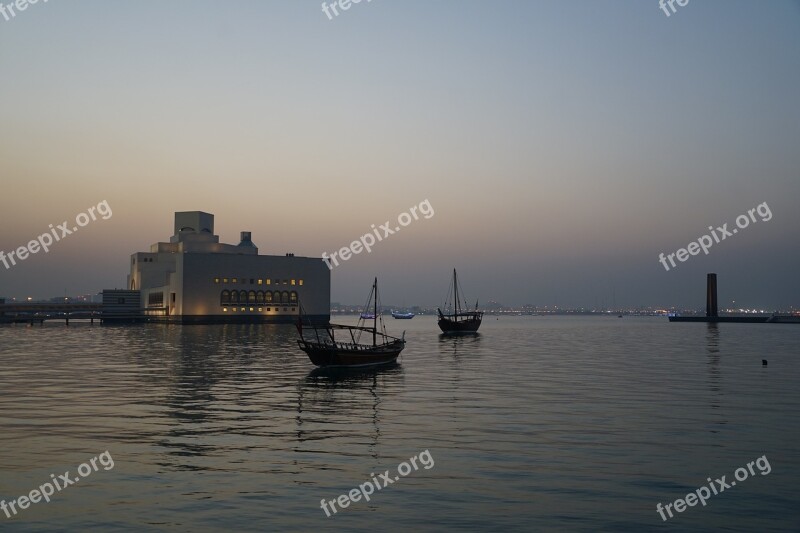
(194, 278)
(121, 306)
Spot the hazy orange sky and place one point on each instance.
(563, 144)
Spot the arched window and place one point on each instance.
(260, 297)
(293, 297)
(251, 297)
(234, 297)
(242, 297)
(225, 297)
(268, 297)
(285, 297)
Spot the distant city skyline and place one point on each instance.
(563, 145)
(490, 306)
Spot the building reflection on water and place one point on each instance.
(209, 383)
(714, 378)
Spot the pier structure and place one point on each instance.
(712, 311)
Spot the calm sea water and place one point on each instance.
(539, 423)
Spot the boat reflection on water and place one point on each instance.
(459, 344)
(342, 375)
(338, 404)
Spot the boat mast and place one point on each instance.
(455, 289)
(375, 313)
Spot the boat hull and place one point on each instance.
(452, 327)
(329, 355)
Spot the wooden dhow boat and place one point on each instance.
(458, 320)
(338, 345)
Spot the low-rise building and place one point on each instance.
(194, 278)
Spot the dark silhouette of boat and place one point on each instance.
(459, 320)
(337, 345)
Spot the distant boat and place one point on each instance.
(458, 320)
(324, 348)
(403, 316)
(367, 316)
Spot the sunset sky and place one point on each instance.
(563, 144)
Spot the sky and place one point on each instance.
(562, 144)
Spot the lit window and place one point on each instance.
(233, 309)
(224, 280)
(251, 309)
(293, 282)
(260, 281)
(269, 282)
(234, 280)
(301, 282)
(260, 309)
(242, 309)
(216, 280)
(224, 309)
